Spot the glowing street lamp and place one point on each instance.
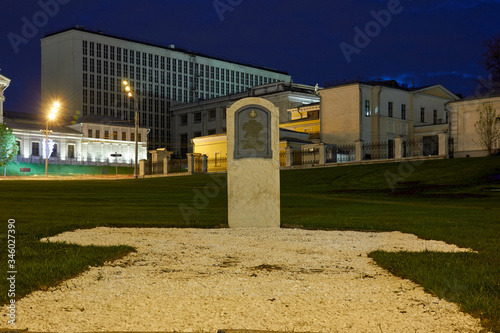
(52, 116)
(130, 94)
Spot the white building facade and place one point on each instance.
(85, 70)
(464, 114)
(88, 143)
(4, 84)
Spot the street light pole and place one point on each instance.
(52, 116)
(131, 95)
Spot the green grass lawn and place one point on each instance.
(449, 200)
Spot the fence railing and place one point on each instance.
(313, 155)
(198, 164)
(217, 164)
(178, 165)
(412, 148)
(340, 154)
(378, 150)
(305, 157)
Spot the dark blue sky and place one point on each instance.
(419, 42)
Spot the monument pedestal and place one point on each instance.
(253, 166)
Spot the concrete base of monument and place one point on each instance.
(254, 195)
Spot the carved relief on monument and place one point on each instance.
(252, 133)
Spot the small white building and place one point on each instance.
(91, 141)
(464, 114)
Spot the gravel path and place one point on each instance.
(193, 280)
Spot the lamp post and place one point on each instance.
(51, 116)
(130, 94)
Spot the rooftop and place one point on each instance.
(170, 47)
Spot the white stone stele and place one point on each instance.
(253, 183)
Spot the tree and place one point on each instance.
(8, 145)
(487, 127)
(491, 58)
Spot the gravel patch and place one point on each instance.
(192, 280)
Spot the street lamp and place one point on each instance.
(51, 116)
(130, 94)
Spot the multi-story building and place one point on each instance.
(4, 84)
(85, 70)
(208, 117)
(381, 111)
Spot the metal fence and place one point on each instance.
(306, 157)
(412, 148)
(378, 150)
(178, 165)
(340, 154)
(283, 158)
(198, 164)
(217, 164)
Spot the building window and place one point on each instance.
(196, 134)
(115, 135)
(97, 134)
(212, 114)
(197, 117)
(90, 133)
(54, 151)
(184, 119)
(184, 143)
(124, 136)
(139, 137)
(367, 108)
(422, 115)
(71, 151)
(390, 109)
(211, 131)
(403, 111)
(35, 148)
(435, 116)
(132, 136)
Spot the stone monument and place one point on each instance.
(253, 164)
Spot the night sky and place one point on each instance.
(418, 42)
